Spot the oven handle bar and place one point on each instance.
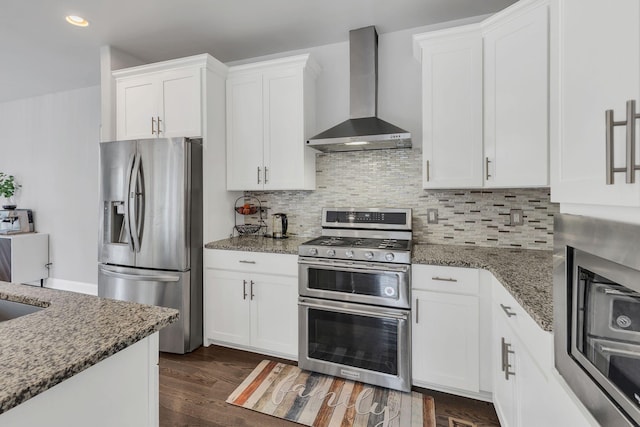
(619, 351)
(327, 307)
(355, 266)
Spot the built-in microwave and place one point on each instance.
(597, 315)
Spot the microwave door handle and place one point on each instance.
(133, 205)
(127, 205)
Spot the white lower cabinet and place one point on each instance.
(446, 328)
(526, 392)
(251, 301)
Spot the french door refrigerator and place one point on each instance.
(150, 248)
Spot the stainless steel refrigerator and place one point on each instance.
(150, 248)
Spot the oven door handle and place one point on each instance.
(354, 267)
(370, 313)
(618, 351)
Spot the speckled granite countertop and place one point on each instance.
(72, 333)
(526, 274)
(260, 244)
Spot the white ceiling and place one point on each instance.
(40, 53)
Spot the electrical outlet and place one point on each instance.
(432, 216)
(516, 217)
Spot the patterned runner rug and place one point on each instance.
(317, 400)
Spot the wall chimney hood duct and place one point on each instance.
(364, 130)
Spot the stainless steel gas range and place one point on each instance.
(354, 304)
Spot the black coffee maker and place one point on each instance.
(279, 227)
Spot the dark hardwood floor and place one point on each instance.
(194, 388)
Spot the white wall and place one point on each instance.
(50, 143)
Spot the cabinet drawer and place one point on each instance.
(252, 262)
(455, 280)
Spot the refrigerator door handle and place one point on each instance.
(133, 204)
(140, 199)
(126, 201)
(137, 277)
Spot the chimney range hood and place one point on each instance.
(364, 130)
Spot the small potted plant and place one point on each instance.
(8, 187)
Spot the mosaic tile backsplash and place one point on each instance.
(393, 178)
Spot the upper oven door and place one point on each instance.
(367, 283)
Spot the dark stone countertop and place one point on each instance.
(260, 244)
(525, 273)
(72, 333)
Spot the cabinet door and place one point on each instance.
(227, 307)
(274, 314)
(245, 170)
(445, 342)
(516, 111)
(136, 107)
(180, 106)
(283, 129)
(504, 388)
(533, 392)
(452, 111)
(595, 66)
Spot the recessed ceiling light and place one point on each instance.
(77, 20)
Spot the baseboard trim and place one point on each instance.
(68, 285)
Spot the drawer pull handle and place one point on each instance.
(506, 309)
(242, 261)
(444, 279)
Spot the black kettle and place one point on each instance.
(280, 224)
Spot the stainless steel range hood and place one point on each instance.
(364, 130)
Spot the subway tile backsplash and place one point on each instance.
(393, 178)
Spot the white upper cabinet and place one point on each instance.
(451, 107)
(244, 132)
(161, 100)
(270, 112)
(485, 112)
(595, 66)
(516, 82)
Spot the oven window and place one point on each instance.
(377, 284)
(353, 340)
(608, 331)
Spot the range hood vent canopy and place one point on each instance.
(364, 130)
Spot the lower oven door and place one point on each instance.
(619, 362)
(355, 281)
(354, 341)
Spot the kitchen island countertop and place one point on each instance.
(525, 273)
(72, 333)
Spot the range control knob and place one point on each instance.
(389, 256)
(349, 253)
(313, 251)
(368, 255)
(331, 252)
